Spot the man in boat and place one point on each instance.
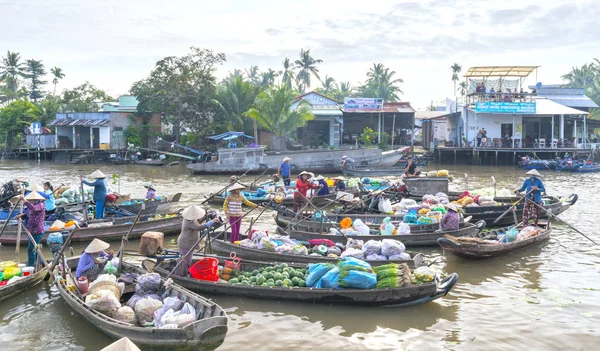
(376, 196)
(94, 258)
(533, 188)
(151, 192)
(100, 191)
(347, 163)
(191, 227)
(285, 171)
(411, 170)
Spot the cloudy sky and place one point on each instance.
(114, 43)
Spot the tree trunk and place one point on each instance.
(255, 131)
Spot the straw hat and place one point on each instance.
(236, 186)
(35, 187)
(452, 207)
(319, 177)
(34, 195)
(96, 245)
(58, 224)
(304, 173)
(286, 159)
(534, 172)
(193, 212)
(344, 157)
(97, 175)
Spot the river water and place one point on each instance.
(542, 298)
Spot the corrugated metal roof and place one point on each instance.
(68, 122)
(389, 107)
(430, 114)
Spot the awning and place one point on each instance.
(68, 122)
(549, 107)
(500, 71)
(229, 136)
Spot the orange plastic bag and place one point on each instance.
(346, 223)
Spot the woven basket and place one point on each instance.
(106, 285)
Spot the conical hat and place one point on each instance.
(344, 157)
(452, 207)
(534, 172)
(35, 187)
(97, 174)
(193, 212)
(34, 195)
(123, 344)
(58, 224)
(96, 245)
(319, 177)
(236, 186)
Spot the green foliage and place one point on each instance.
(11, 70)
(385, 141)
(84, 98)
(588, 78)
(381, 84)
(235, 95)
(48, 108)
(368, 137)
(34, 72)
(133, 136)
(307, 67)
(57, 74)
(14, 118)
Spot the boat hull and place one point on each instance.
(17, 287)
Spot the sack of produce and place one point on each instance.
(385, 206)
(103, 301)
(284, 249)
(355, 253)
(145, 308)
(169, 303)
(403, 228)
(401, 257)
(391, 247)
(432, 174)
(360, 227)
(147, 284)
(349, 232)
(266, 244)
(10, 272)
(528, 232)
(425, 274)
(316, 271)
(315, 242)
(110, 268)
(376, 257)
(442, 173)
(410, 217)
(300, 250)
(511, 235)
(125, 314)
(248, 243)
(354, 244)
(407, 202)
(352, 262)
(331, 279)
(355, 279)
(372, 247)
(180, 318)
(423, 220)
(387, 228)
(334, 250)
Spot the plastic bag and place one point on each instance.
(331, 279)
(346, 223)
(360, 227)
(424, 220)
(385, 206)
(353, 262)
(432, 174)
(10, 272)
(103, 301)
(425, 274)
(354, 244)
(300, 250)
(410, 217)
(387, 228)
(110, 269)
(248, 243)
(392, 247)
(403, 228)
(125, 314)
(356, 253)
(407, 202)
(181, 318)
(316, 271)
(376, 257)
(267, 244)
(400, 257)
(147, 284)
(359, 280)
(169, 303)
(145, 308)
(511, 235)
(284, 249)
(372, 247)
(349, 232)
(315, 242)
(334, 250)
(442, 173)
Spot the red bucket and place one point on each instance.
(205, 269)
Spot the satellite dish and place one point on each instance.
(538, 85)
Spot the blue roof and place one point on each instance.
(229, 136)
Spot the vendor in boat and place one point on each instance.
(411, 170)
(100, 191)
(49, 196)
(150, 192)
(451, 220)
(376, 196)
(285, 171)
(533, 188)
(303, 184)
(94, 258)
(347, 163)
(233, 210)
(191, 227)
(340, 184)
(323, 184)
(36, 213)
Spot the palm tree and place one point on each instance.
(462, 87)
(58, 74)
(381, 84)
(344, 90)
(268, 77)
(234, 96)
(456, 68)
(273, 111)
(288, 72)
(581, 77)
(11, 69)
(253, 75)
(307, 66)
(329, 85)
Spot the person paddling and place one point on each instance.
(36, 213)
(451, 220)
(285, 171)
(302, 185)
(233, 209)
(100, 191)
(533, 188)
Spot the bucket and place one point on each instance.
(27, 271)
(21, 266)
(205, 269)
(82, 285)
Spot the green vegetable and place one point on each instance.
(296, 281)
(269, 275)
(299, 274)
(286, 269)
(253, 280)
(283, 265)
(271, 281)
(302, 283)
(292, 273)
(287, 282)
(255, 272)
(278, 276)
(233, 281)
(270, 284)
(260, 280)
(279, 282)
(285, 276)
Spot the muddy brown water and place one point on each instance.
(542, 298)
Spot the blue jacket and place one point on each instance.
(100, 190)
(325, 188)
(537, 194)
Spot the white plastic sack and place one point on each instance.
(402, 256)
(407, 202)
(372, 247)
(125, 314)
(354, 244)
(403, 228)
(181, 318)
(356, 253)
(375, 257)
(103, 301)
(360, 227)
(385, 206)
(145, 308)
(391, 247)
(169, 303)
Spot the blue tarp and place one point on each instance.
(229, 136)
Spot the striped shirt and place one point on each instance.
(233, 205)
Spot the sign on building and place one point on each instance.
(365, 104)
(36, 128)
(505, 107)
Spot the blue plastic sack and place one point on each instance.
(359, 280)
(330, 280)
(260, 192)
(316, 271)
(511, 235)
(366, 180)
(411, 217)
(351, 261)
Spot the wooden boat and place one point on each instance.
(149, 162)
(538, 164)
(316, 200)
(426, 236)
(19, 286)
(119, 228)
(225, 248)
(373, 171)
(133, 206)
(476, 247)
(208, 331)
(397, 297)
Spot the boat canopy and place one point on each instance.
(229, 136)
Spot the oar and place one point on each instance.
(369, 197)
(552, 215)
(60, 253)
(335, 225)
(260, 176)
(224, 189)
(39, 251)
(511, 207)
(12, 210)
(124, 239)
(494, 184)
(83, 207)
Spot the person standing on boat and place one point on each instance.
(302, 185)
(451, 220)
(323, 184)
(233, 210)
(347, 163)
(411, 170)
(100, 191)
(49, 195)
(533, 187)
(151, 192)
(285, 171)
(36, 213)
(92, 261)
(191, 227)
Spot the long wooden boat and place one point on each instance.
(316, 200)
(373, 172)
(396, 297)
(120, 227)
(427, 236)
(208, 331)
(25, 283)
(225, 248)
(133, 206)
(149, 162)
(478, 248)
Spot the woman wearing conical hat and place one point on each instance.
(533, 187)
(36, 213)
(233, 209)
(94, 258)
(191, 227)
(100, 191)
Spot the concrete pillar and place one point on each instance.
(562, 127)
(91, 138)
(379, 127)
(575, 131)
(552, 133)
(74, 138)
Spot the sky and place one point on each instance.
(115, 43)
